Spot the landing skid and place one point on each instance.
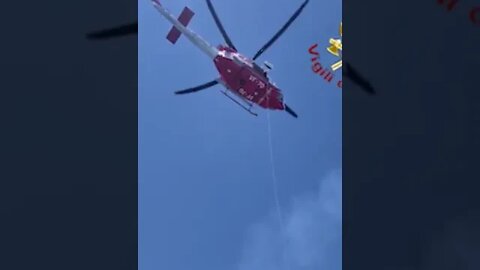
(247, 108)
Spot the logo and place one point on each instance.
(335, 49)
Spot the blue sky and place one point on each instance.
(206, 198)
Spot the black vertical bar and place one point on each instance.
(68, 177)
(410, 152)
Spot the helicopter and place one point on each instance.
(243, 77)
(245, 82)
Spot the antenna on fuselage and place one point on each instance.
(268, 65)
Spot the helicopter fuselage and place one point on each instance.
(247, 80)
(238, 74)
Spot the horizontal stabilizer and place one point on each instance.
(184, 19)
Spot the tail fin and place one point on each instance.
(184, 19)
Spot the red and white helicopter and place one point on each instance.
(241, 76)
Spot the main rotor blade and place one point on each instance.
(220, 26)
(197, 88)
(124, 30)
(351, 73)
(280, 32)
(290, 111)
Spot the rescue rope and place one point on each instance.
(274, 174)
(275, 190)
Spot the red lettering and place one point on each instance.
(473, 15)
(450, 3)
(317, 67)
(339, 84)
(312, 48)
(322, 71)
(328, 77)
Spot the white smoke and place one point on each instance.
(311, 239)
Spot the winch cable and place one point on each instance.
(275, 190)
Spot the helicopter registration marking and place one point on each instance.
(245, 94)
(259, 83)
